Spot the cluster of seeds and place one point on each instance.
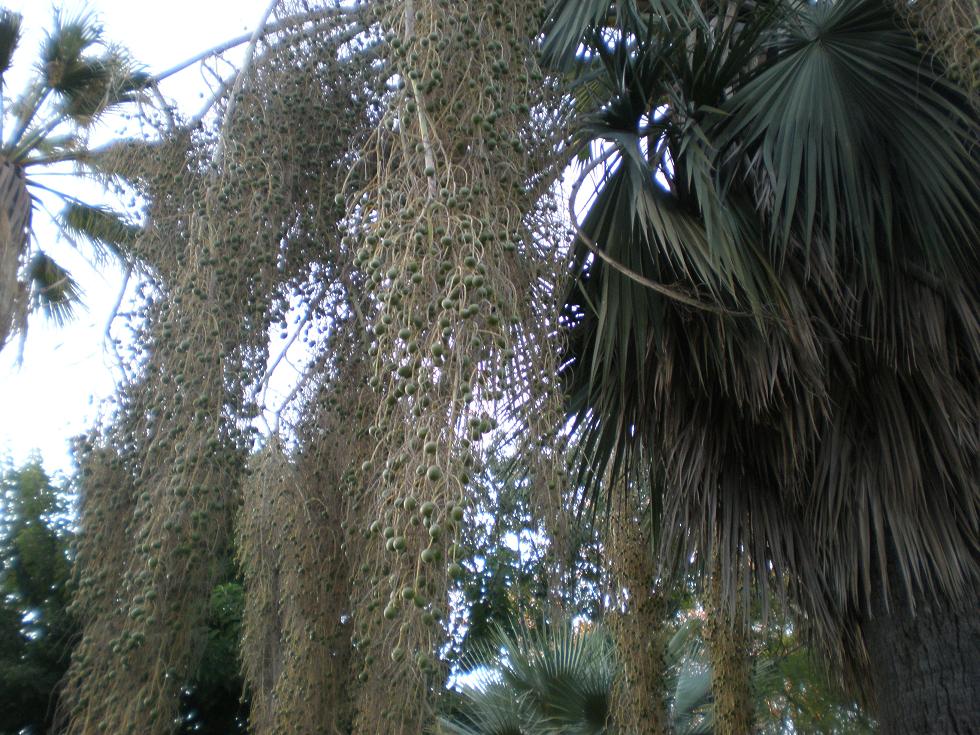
(449, 230)
(229, 245)
(952, 30)
(296, 650)
(427, 295)
(180, 436)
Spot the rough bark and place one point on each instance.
(924, 665)
(726, 637)
(640, 695)
(15, 215)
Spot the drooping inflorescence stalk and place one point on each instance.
(949, 29)
(451, 227)
(435, 287)
(229, 244)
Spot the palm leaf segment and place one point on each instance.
(775, 290)
(537, 682)
(78, 80)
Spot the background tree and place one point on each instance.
(36, 630)
(77, 80)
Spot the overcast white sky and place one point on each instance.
(57, 392)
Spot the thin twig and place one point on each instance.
(221, 48)
(240, 78)
(107, 333)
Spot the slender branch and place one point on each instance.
(228, 45)
(212, 101)
(22, 150)
(240, 78)
(300, 326)
(107, 333)
(226, 84)
(430, 159)
(164, 107)
(301, 382)
(40, 93)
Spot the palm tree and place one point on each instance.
(561, 680)
(77, 80)
(542, 681)
(775, 294)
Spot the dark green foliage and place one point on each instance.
(500, 583)
(108, 232)
(213, 703)
(10, 30)
(37, 633)
(510, 572)
(773, 296)
(53, 290)
(35, 629)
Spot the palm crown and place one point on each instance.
(773, 296)
(77, 80)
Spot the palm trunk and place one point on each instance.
(15, 216)
(640, 695)
(925, 666)
(727, 640)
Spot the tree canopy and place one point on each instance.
(737, 350)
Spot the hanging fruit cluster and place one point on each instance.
(450, 230)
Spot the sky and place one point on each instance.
(59, 388)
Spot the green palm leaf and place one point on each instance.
(489, 707)
(100, 85)
(539, 682)
(79, 78)
(853, 139)
(10, 29)
(108, 231)
(53, 290)
(566, 24)
(799, 281)
(62, 53)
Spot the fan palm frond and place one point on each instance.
(10, 30)
(108, 231)
(567, 672)
(776, 266)
(63, 50)
(543, 681)
(52, 288)
(565, 26)
(102, 84)
(849, 131)
(571, 26)
(490, 707)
